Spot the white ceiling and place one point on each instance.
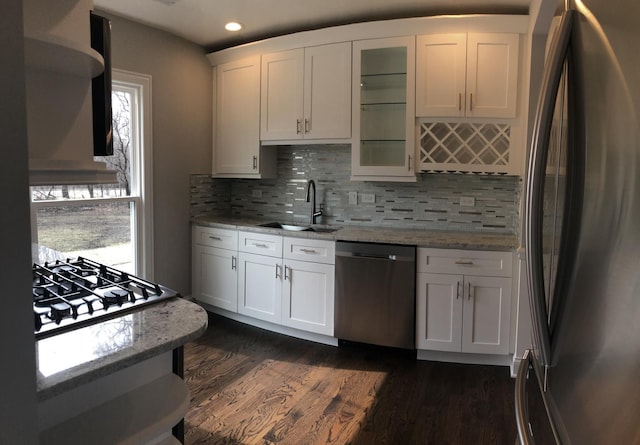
(202, 21)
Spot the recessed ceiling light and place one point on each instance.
(233, 26)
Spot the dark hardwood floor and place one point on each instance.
(250, 386)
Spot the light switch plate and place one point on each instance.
(368, 198)
(353, 198)
(467, 201)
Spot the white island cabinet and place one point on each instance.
(463, 301)
(119, 380)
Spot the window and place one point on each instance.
(109, 223)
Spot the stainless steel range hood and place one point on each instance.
(60, 66)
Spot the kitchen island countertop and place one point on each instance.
(417, 237)
(68, 360)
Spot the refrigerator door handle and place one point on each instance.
(522, 415)
(530, 369)
(535, 187)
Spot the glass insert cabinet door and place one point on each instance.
(384, 108)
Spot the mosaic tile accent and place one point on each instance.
(209, 196)
(433, 202)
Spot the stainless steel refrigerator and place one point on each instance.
(580, 384)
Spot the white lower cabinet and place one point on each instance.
(463, 301)
(308, 290)
(292, 292)
(214, 268)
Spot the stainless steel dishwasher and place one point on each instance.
(375, 294)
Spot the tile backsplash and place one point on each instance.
(433, 202)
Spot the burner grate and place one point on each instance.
(74, 293)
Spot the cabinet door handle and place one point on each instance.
(459, 101)
(308, 250)
(464, 262)
(287, 273)
(234, 263)
(469, 295)
(458, 286)
(408, 162)
(263, 246)
(216, 238)
(298, 126)
(307, 126)
(470, 101)
(255, 162)
(277, 271)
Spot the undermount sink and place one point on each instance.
(299, 228)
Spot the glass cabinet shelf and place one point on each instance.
(384, 105)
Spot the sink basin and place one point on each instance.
(300, 228)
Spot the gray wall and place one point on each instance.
(17, 366)
(182, 104)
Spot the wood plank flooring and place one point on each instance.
(250, 386)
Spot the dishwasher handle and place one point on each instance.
(386, 257)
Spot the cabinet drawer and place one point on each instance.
(465, 262)
(318, 251)
(260, 243)
(214, 237)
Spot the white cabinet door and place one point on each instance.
(260, 286)
(383, 110)
(441, 67)
(215, 277)
(492, 74)
(458, 312)
(308, 296)
(237, 124)
(306, 93)
(327, 92)
(486, 315)
(439, 312)
(281, 95)
(472, 75)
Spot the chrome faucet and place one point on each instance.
(314, 214)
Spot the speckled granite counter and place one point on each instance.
(420, 238)
(68, 360)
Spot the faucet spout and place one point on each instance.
(314, 214)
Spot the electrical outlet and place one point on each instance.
(369, 198)
(467, 201)
(353, 198)
(256, 193)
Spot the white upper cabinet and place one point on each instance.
(383, 109)
(470, 75)
(237, 122)
(306, 93)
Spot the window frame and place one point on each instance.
(139, 85)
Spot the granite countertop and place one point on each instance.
(73, 358)
(417, 237)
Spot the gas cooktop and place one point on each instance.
(75, 293)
